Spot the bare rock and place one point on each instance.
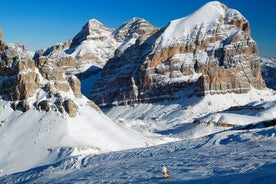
(27, 81)
(21, 105)
(44, 105)
(70, 107)
(94, 106)
(75, 85)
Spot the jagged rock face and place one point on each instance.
(20, 77)
(211, 54)
(52, 71)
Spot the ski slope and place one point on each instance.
(235, 156)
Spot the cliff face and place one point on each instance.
(208, 54)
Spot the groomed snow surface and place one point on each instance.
(247, 156)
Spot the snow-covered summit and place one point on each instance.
(136, 29)
(92, 30)
(135, 25)
(94, 23)
(205, 20)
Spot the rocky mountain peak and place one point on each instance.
(134, 28)
(219, 17)
(94, 23)
(92, 30)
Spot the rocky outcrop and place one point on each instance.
(42, 85)
(70, 107)
(27, 80)
(212, 54)
(50, 71)
(44, 105)
(75, 85)
(9, 60)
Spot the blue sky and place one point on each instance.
(41, 23)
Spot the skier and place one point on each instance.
(165, 171)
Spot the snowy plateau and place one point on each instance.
(212, 138)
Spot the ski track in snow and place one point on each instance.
(247, 156)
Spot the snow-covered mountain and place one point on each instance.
(95, 44)
(209, 54)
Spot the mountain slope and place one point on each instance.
(34, 138)
(197, 116)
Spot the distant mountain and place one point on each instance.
(269, 71)
(208, 52)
